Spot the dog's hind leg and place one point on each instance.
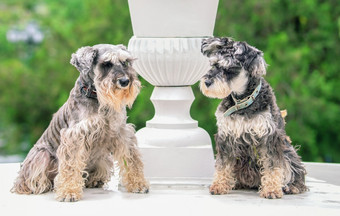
(297, 170)
(36, 173)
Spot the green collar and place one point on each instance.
(245, 102)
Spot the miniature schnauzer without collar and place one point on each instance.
(253, 150)
(89, 131)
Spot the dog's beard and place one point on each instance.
(218, 89)
(111, 96)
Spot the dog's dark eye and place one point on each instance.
(233, 70)
(125, 64)
(107, 64)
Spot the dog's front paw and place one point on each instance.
(142, 187)
(138, 187)
(271, 194)
(219, 189)
(68, 197)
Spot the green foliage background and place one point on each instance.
(300, 39)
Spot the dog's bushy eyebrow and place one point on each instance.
(211, 46)
(121, 56)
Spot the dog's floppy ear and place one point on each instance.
(257, 66)
(253, 59)
(83, 59)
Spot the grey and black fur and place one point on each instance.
(253, 150)
(89, 131)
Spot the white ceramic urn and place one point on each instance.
(167, 43)
(173, 18)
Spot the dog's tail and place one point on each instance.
(284, 113)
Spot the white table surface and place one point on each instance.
(322, 199)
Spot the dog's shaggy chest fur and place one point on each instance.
(89, 131)
(258, 120)
(102, 127)
(253, 150)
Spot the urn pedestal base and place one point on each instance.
(187, 165)
(173, 147)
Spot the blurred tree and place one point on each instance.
(300, 41)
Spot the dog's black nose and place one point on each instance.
(123, 82)
(208, 83)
